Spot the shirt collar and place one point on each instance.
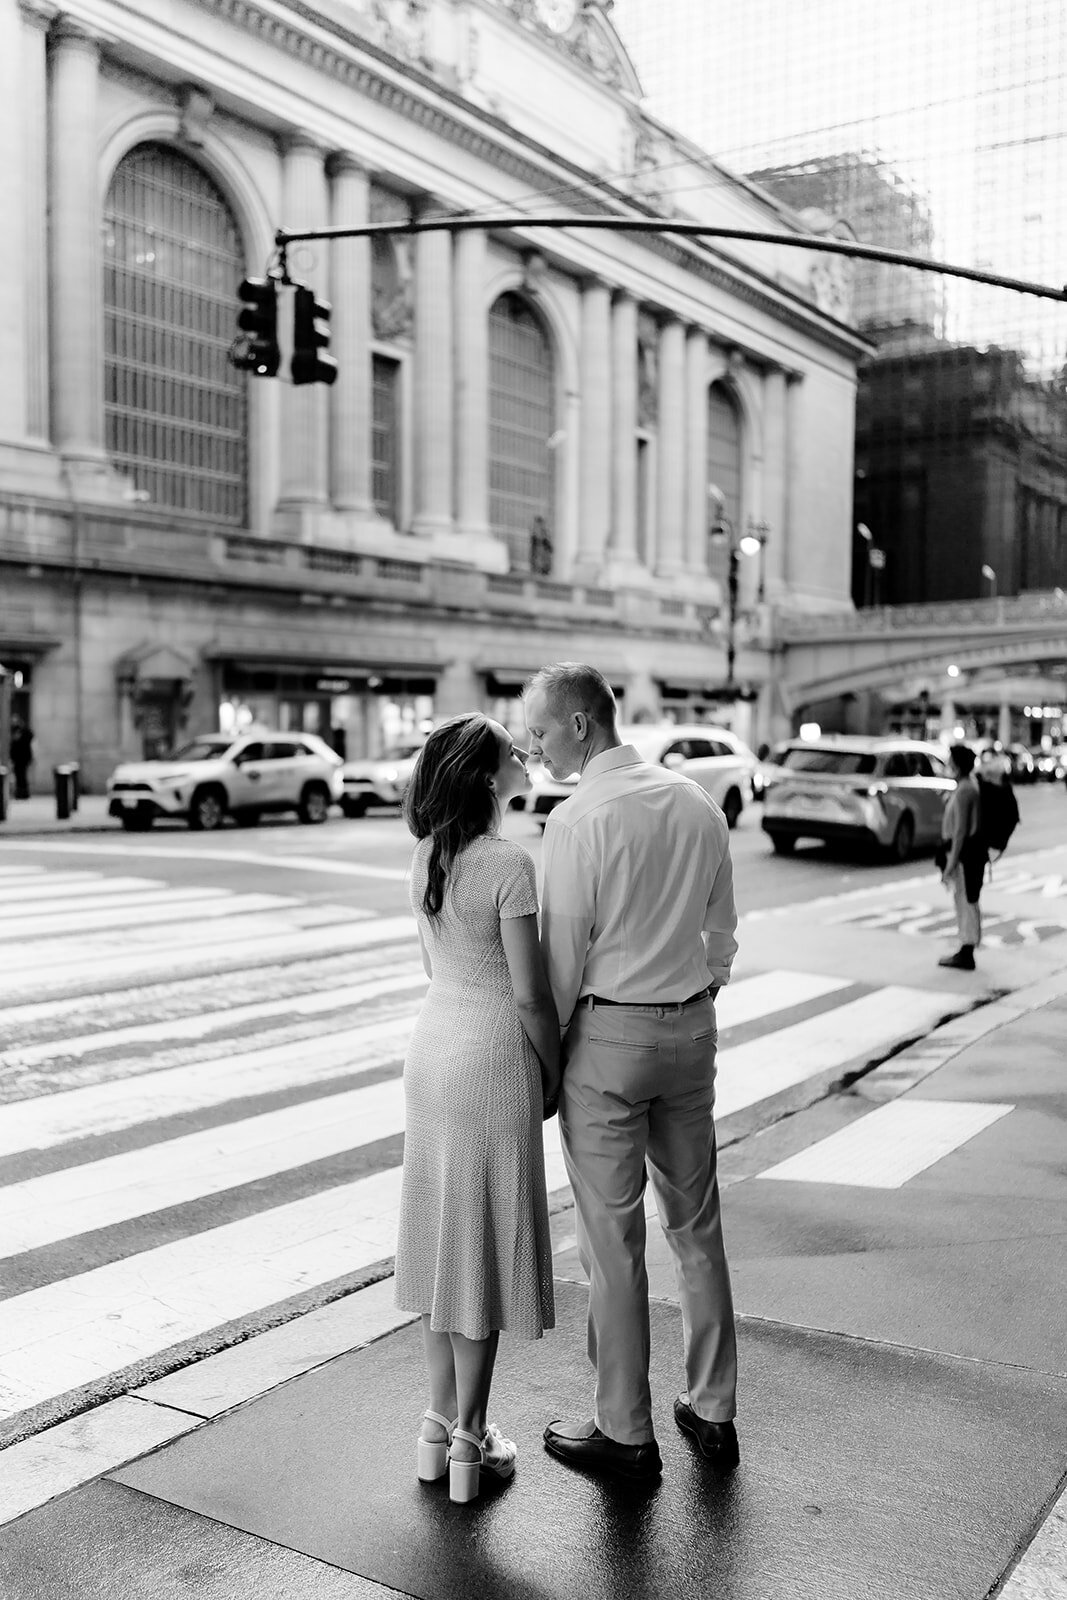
(623, 755)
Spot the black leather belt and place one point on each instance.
(590, 1000)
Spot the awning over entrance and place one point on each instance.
(24, 646)
(506, 672)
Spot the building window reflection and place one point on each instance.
(175, 410)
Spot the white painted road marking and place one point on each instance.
(887, 1147)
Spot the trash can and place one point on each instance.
(5, 792)
(66, 782)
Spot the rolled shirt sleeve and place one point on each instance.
(568, 899)
(720, 923)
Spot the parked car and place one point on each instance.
(715, 758)
(380, 782)
(219, 775)
(889, 793)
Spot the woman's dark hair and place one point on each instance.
(449, 799)
(963, 757)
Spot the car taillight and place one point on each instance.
(875, 790)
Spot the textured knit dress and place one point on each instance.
(473, 1247)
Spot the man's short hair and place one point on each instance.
(570, 686)
(963, 756)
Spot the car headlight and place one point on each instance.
(390, 775)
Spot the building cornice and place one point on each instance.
(378, 76)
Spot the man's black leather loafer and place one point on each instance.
(581, 1444)
(717, 1441)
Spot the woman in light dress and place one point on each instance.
(481, 1073)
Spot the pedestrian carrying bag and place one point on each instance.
(998, 812)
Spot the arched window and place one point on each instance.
(520, 425)
(724, 457)
(175, 410)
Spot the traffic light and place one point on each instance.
(311, 361)
(256, 347)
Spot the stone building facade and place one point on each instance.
(515, 462)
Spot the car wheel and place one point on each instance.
(207, 810)
(784, 843)
(136, 824)
(314, 803)
(731, 808)
(903, 839)
(354, 808)
(248, 818)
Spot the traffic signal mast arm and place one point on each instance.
(693, 230)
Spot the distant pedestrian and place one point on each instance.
(962, 856)
(474, 1252)
(21, 756)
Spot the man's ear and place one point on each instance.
(581, 725)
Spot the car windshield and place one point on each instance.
(201, 750)
(845, 763)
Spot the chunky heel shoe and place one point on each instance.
(433, 1453)
(463, 1476)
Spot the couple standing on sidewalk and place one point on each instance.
(636, 938)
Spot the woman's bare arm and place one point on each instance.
(533, 997)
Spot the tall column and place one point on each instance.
(792, 563)
(624, 429)
(775, 486)
(305, 440)
(77, 295)
(948, 718)
(434, 397)
(671, 486)
(1004, 720)
(36, 15)
(472, 385)
(696, 452)
(13, 319)
(350, 294)
(595, 362)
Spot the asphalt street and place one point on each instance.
(202, 1131)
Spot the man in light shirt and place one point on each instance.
(638, 925)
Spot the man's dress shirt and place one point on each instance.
(638, 897)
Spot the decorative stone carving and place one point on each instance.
(586, 36)
(392, 270)
(651, 152)
(647, 370)
(403, 28)
(197, 107)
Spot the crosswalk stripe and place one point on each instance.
(266, 940)
(376, 985)
(100, 1194)
(885, 1148)
(81, 886)
(115, 911)
(767, 1066)
(747, 999)
(216, 904)
(51, 1120)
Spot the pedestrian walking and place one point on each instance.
(962, 856)
(637, 929)
(21, 756)
(482, 1070)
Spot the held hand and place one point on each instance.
(550, 1093)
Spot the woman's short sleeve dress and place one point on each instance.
(474, 1249)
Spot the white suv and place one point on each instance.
(716, 758)
(219, 774)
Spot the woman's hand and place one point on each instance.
(550, 1093)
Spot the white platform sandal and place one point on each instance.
(495, 1454)
(433, 1453)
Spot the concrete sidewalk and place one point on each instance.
(37, 815)
(903, 1408)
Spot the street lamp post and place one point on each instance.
(991, 577)
(752, 542)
